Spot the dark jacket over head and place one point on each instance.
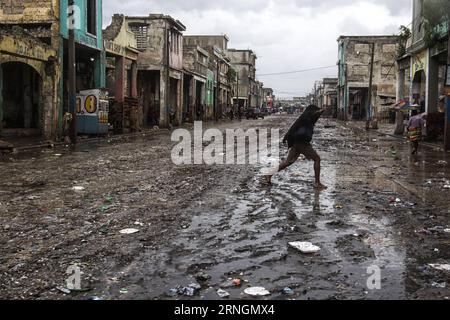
(303, 129)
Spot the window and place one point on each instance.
(91, 7)
(141, 32)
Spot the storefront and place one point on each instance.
(121, 76)
(28, 86)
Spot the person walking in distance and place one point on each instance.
(299, 139)
(415, 129)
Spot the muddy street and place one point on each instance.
(222, 227)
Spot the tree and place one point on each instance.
(437, 15)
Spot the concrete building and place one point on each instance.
(196, 101)
(422, 70)
(160, 68)
(121, 74)
(35, 62)
(329, 94)
(220, 66)
(244, 62)
(354, 75)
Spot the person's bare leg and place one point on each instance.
(292, 157)
(317, 170)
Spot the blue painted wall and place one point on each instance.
(81, 35)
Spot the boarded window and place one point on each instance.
(388, 70)
(141, 32)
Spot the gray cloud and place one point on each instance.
(286, 34)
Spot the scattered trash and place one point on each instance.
(129, 231)
(95, 298)
(123, 291)
(442, 162)
(189, 291)
(138, 223)
(441, 285)
(58, 155)
(257, 291)
(447, 230)
(222, 293)
(78, 188)
(64, 290)
(287, 291)
(339, 206)
(237, 282)
(440, 267)
(202, 277)
(33, 197)
(304, 247)
(447, 186)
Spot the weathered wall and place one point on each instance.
(25, 11)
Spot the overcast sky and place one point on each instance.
(286, 35)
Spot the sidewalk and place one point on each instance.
(388, 130)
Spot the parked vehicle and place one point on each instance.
(254, 113)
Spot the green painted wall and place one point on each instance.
(81, 35)
(84, 38)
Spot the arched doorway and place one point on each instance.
(419, 90)
(21, 91)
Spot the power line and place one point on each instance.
(292, 72)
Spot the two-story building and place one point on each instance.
(244, 62)
(160, 68)
(422, 70)
(30, 68)
(219, 65)
(121, 75)
(354, 75)
(196, 63)
(35, 95)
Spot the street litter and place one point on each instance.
(447, 186)
(440, 267)
(257, 292)
(304, 247)
(123, 291)
(442, 162)
(339, 206)
(189, 291)
(222, 293)
(64, 290)
(237, 282)
(129, 231)
(202, 277)
(287, 291)
(442, 285)
(78, 188)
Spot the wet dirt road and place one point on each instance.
(211, 224)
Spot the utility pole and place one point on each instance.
(167, 117)
(72, 75)
(369, 99)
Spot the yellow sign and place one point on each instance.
(90, 105)
(419, 62)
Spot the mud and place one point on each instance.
(212, 224)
